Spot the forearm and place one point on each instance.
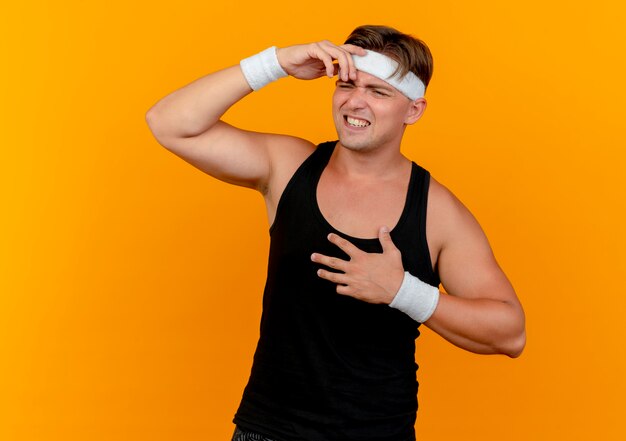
(482, 326)
(196, 107)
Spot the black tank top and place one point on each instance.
(330, 367)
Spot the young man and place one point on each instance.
(351, 275)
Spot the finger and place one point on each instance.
(346, 65)
(339, 278)
(385, 240)
(344, 245)
(353, 49)
(347, 70)
(340, 73)
(322, 54)
(331, 262)
(328, 63)
(346, 290)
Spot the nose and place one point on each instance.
(356, 98)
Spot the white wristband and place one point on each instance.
(262, 68)
(416, 299)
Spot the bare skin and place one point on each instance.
(361, 192)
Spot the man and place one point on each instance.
(351, 275)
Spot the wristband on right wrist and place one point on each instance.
(262, 68)
(416, 299)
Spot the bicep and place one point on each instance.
(230, 154)
(467, 265)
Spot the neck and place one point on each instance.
(378, 163)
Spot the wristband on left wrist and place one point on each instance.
(262, 68)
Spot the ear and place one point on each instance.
(415, 111)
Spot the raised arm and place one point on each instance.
(187, 121)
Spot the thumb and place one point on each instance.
(385, 239)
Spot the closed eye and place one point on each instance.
(342, 85)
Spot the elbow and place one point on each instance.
(156, 128)
(152, 112)
(511, 340)
(515, 342)
(151, 119)
(515, 346)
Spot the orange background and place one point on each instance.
(131, 282)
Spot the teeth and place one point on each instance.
(357, 122)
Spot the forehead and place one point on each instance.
(365, 79)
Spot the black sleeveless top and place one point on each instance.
(330, 367)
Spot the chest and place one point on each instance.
(359, 207)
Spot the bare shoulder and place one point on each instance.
(447, 209)
(286, 154)
(450, 222)
(467, 265)
(285, 151)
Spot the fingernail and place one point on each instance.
(313, 256)
(385, 230)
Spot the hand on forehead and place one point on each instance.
(383, 67)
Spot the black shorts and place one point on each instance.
(245, 435)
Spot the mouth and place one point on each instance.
(356, 122)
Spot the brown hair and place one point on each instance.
(411, 53)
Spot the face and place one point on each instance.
(369, 113)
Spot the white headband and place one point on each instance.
(381, 66)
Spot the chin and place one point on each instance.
(356, 144)
(358, 147)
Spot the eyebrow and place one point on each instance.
(382, 86)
